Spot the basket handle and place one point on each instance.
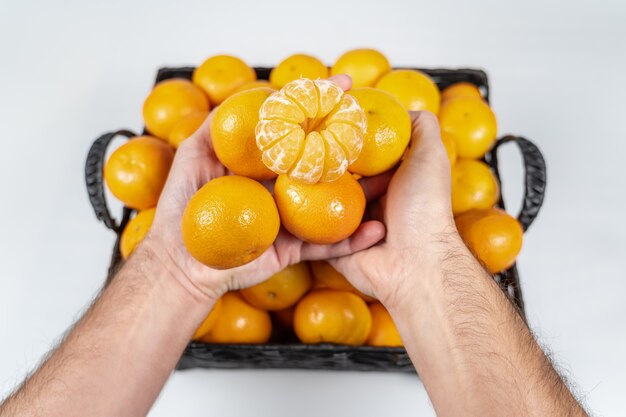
(94, 168)
(534, 179)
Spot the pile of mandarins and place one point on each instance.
(312, 141)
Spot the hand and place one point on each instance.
(194, 165)
(417, 213)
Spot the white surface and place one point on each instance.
(75, 69)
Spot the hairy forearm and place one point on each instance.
(473, 351)
(118, 356)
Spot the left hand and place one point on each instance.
(194, 165)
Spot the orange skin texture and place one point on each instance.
(297, 66)
(323, 213)
(281, 290)
(462, 89)
(233, 134)
(136, 172)
(207, 324)
(474, 186)
(219, 76)
(255, 84)
(472, 125)
(239, 322)
(450, 146)
(135, 231)
(493, 236)
(328, 277)
(186, 127)
(365, 66)
(229, 222)
(384, 331)
(169, 102)
(331, 316)
(415, 90)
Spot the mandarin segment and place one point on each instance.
(331, 123)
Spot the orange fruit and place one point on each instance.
(450, 146)
(414, 89)
(169, 102)
(220, 75)
(281, 290)
(208, 323)
(310, 130)
(331, 316)
(136, 172)
(239, 322)
(255, 84)
(473, 186)
(365, 66)
(298, 66)
(328, 277)
(493, 236)
(323, 213)
(387, 134)
(233, 133)
(384, 331)
(462, 89)
(134, 232)
(229, 222)
(472, 125)
(285, 317)
(186, 127)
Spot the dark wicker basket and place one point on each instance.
(326, 356)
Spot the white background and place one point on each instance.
(72, 70)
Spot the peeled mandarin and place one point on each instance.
(364, 66)
(298, 66)
(414, 89)
(310, 131)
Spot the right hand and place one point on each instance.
(417, 213)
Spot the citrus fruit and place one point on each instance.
(323, 213)
(365, 66)
(208, 323)
(473, 186)
(134, 232)
(493, 236)
(328, 277)
(136, 172)
(285, 317)
(414, 89)
(331, 316)
(298, 66)
(450, 146)
(310, 130)
(169, 102)
(462, 89)
(239, 322)
(229, 222)
(281, 290)
(233, 133)
(186, 127)
(471, 123)
(220, 75)
(255, 84)
(384, 331)
(387, 134)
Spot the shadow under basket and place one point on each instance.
(283, 351)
